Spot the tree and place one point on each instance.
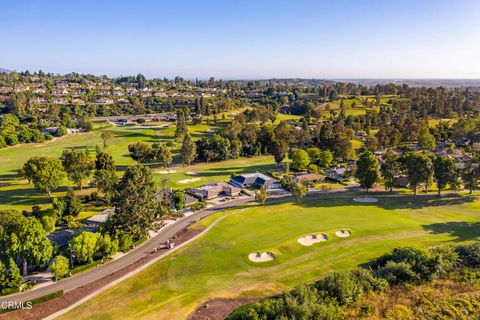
(445, 172)
(426, 141)
(84, 246)
(261, 195)
(179, 200)
(162, 154)
(300, 159)
(105, 177)
(299, 190)
(107, 137)
(10, 278)
(104, 161)
(46, 173)
(279, 150)
(135, 202)
(181, 128)
(367, 170)
(78, 165)
(105, 181)
(59, 267)
(71, 205)
(325, 159)
(106, 246)
(389, 169)
(140, 151)
(24, 238)
(418, 167)
(188, 151)
(315, 154)
(471, 175)
(61, 131)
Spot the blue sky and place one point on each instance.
(244, 38)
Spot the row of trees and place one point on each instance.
(420, 168)
(47, 173)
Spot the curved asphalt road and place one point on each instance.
(129, 258)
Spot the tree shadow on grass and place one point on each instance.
(26, 197)
(390, 203)
(461, 230)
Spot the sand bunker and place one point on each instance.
(365, 199)
(166, 171)
(261, 257)
(312, 239)
(191, 173)
(343, 233)
(189, 180)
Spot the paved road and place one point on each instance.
(149, 245)
(132, 256)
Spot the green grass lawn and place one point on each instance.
(216, 265)
(18, 194)
(201, 173)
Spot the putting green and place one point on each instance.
(217, 265)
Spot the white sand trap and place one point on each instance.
(368, 200)
(343, 233)
(189, 180)
(191, 173)
(261, 257)
(167, 171)
(312, 239)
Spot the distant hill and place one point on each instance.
(2, 70)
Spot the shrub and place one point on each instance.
(59, 267)
(125, 242)
(469, 254)
(48, 223)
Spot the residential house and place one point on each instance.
(336, 173)
(104, 101)
(309, 177)
(255, 180)
(213, 190)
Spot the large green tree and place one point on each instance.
(135, 202)
(105, 177)
(389, 169)
(300, 159)
(445, 172)
(46, 173)
(162, 154)
(188, 151)
(10, 278)
(78, 165)
(140, 151)
(367, 170)
(24, 238)
(471, 175)
(419, 168)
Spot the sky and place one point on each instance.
(244, 39)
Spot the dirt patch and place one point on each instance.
(42, 310)
(218, 309)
